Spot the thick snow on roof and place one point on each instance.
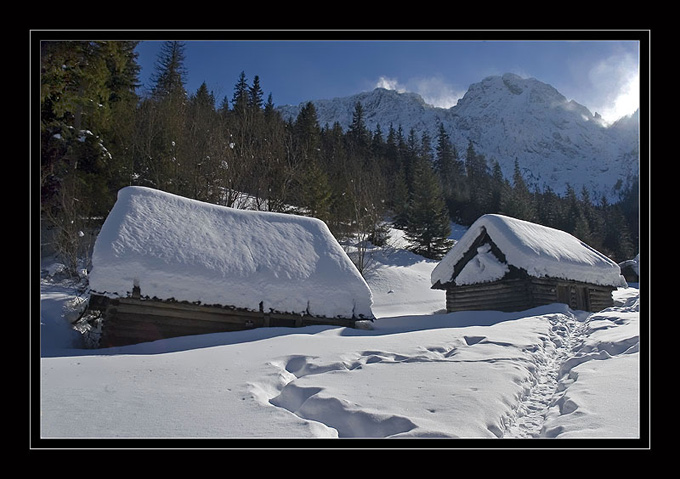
(540, 250)
(174, 247)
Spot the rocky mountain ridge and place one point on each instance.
(555, 141)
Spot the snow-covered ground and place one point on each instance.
(548, 372)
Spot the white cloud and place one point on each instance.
(434, 90)
(617, 84)
(389, 84)
(437, 92)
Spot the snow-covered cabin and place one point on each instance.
(506, 264)
(164, 266)
(630, 269)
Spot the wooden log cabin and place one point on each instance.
(166, 266)
(505, 264)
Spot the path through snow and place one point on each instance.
(315, 388)
(573, 340)
(566, 333)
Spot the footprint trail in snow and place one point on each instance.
(443, 396)
(564, 336)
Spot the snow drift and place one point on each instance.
(176, 248)
(547, 372)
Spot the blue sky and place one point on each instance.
(603, 75)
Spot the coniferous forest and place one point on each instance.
(98, 134)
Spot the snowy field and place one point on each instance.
(414, 372)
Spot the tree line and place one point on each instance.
(98, 135)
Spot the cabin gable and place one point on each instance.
(506, 264)
(483, 239)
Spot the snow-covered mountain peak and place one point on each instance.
(510, 94)
(380, 106)
(556, 141)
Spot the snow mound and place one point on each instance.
(540, 250)
(176, 248)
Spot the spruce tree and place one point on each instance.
(444, 163)
(307, 134)
(169, 76)
(451, 173)
(498, 187)
(392, 151)
(165, 113)
(270, 112)
(303, 157)
(255, 94)
(518, 201)
(87, 100)
(316, 191)
(240, 100)
(201, 146)
(478, 186)
(400, 200)
(428, 225)
(357, 133)
(358, 141)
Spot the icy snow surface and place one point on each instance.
(540, 250)
(173, 247)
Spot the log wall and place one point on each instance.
(134, 320)
(510, 295)
(518, 294)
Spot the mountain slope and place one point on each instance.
(556, 141)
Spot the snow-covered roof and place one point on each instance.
(174, 247)
(540, 250)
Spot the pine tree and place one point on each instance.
(519, 202)
(451, 173)
(87, 93)
(224, 107)
(240, 100)
(270, 112)
(498, 187)
(428, 225)
(410, 150)
(201, 146)
(86, 87)
(165, 114)
(475, 164)
(335, 159)
(378, 143)
(478, 186)
(255, 94)
(303, 155)
(123, 81)
(357, 133)
(170, 74)
(400, 200)
(617, 240)
(392, 151)
(444, 163)
(549, 208)
(307, 133)
(316, 191)
(74, 84)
